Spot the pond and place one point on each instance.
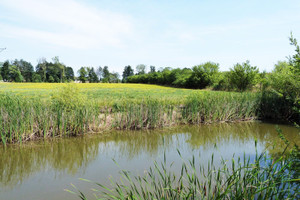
(43, 169)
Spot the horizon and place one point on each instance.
(163, 34)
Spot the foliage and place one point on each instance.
(222, 82)
(203, 75)
(15, 74)
(68, 97)
(200, 77)
(284, 87)
(243, 76)
(5, 71)
(140, 69)
(152, 69)
(92, 76)
(25, 68)
(128, 71)
(295, 59)
(69, 74)
(82, 74)
(36, 78)
(114, 77)
(54, 71)
(286, 81)
(106, 74)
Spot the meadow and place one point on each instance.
(40, 110)
(99, 91)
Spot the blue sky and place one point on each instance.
(162, 33)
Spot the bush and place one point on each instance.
(203, 75)
(68, 97)
(243, 76)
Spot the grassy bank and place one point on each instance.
(71, 110)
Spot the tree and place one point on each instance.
(92, 76)
(5, 71)
(106, 75)
(128, 71)
(41, 69)
(15, 74)
(54, 71)
(36, 78)
(140, 69)
(99, 72)
(61, 67)
(152, 69)
(114, 77)
(25, 68)
(51, 79)
(203, 75)
(82, 74)
(295, 59)
(243, 76)
(69, 73)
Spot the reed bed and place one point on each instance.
(262, 178)
(70, 112)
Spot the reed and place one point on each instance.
(70, 112)
(264, 178)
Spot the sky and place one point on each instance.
(162, 33)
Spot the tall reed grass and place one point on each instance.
(68, 113)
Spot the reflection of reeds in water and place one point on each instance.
(17, 163)
(265, 178)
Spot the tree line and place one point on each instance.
(242, 76)
(284, 78)
(23, 71)
(53, 72)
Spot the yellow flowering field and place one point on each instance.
(99, 91)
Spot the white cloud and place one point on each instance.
(65, 23)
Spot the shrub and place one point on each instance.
(243, 76)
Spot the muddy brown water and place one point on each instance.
(43, 169)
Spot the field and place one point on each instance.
(100, 91)
(35, 110)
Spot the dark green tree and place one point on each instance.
(54, 71)
(36, 78)
(61, 68)
(152, 69)
(5, 71)
(15, 74)
(106, 75)
(25, 68)
(69, 74)
(82, 74)
(128, 71)
(41, 69)
(92, 76)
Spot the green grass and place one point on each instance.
(68, 111)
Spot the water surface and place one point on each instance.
(43, 169)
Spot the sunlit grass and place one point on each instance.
(29, 111)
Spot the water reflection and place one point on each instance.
(68, 156)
